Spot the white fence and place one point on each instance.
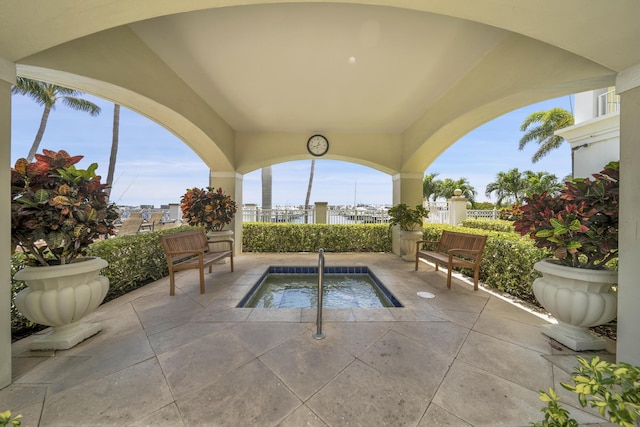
(482, 214)
(439, 213)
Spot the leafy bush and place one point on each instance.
(7, 420)
(612, 388)
(274, 237)
(489, 224)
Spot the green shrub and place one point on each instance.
(489, 224)
(612, 388)
(7, 420)
(276, 237)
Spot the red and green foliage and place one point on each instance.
(57, 211)
(580, 226)
(207, 207)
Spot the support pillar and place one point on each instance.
(628, 334)
(407, 189)
(7, 78)
(231, 184)
(457, 208)
(321, 212)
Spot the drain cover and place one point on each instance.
(426, 295)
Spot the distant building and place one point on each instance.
(595, 136)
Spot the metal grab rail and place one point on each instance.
(318, 334)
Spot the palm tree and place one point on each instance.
(114, 147)
(267, 191)
(547, 122)
(509, 187)
(306, 202)
(430, 186)
(47, 94)
(541, 182)
(449, 186)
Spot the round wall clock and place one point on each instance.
(318, 145)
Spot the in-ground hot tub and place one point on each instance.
(297, 287)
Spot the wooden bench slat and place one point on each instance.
(190, 250)
(454, 250)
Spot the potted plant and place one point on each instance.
(410, 221)
(580, 228)
(57, 211)
(209, 208)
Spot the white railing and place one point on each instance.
(281, 214)
(438, 212)
(339, 215)
(335, 215)
(482, 214)
(608, 103)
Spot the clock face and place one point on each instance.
(318, 145)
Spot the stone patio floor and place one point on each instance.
(464, 358)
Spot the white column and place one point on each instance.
(628, 341)
(231, 183)
(321, 212)
(7, 78)
(407, 189)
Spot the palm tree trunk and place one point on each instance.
(40, 134)
(114, 147)
(267, 178)
(306, 202)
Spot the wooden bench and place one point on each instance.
(190, 250)
(454, 250)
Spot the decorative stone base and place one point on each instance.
(578, 339)
(65, 337)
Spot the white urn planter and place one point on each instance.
(578, 299)
(59, 296)
(408, 239)
(219, 247)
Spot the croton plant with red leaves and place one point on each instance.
(208, 207)
(57, 210)
(580, 226)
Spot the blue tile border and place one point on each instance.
(314, 270)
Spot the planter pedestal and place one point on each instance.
(60, 296)
(578, 299)
(408, 241)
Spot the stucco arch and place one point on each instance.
(175, 123)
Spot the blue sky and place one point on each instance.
(154, 167)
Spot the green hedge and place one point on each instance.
(489, 224)
(275, 237)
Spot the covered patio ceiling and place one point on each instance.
(391, 83)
